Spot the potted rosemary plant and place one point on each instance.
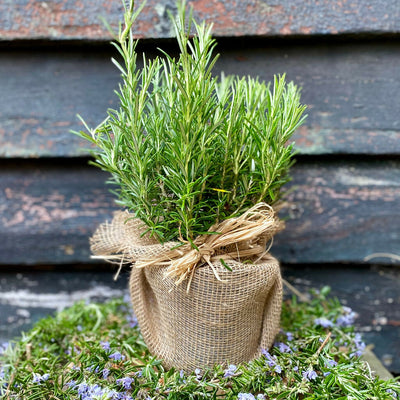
(198, 161)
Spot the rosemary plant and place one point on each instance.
(187, 149)
(95, 352)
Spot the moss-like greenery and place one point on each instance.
(95, 351)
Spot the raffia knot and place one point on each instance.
(242, 238)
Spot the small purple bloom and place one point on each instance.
(347, 319)
(3, 347)
(105, 345)
(324, 322)
(310, 375)
(283, 347)
(106, 372)
(289, 336)
(37, 378)
(393, 393)
(125, 382)
(198, 373)
(117, 356)
(139, 374)
(71, 384)
(271, 361)
(327, 373)
(278, 369)
(230, 371)
(295, 368)
(359, 345)
(331, 363)
(246, 396)
(83, 387)
(132, 321)
(261, 397)
(79, 328)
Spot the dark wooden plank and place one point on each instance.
(48, 214)
(372, 292)
(74, 19)
(340, 212)
(351, 90)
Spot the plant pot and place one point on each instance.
(215, 322)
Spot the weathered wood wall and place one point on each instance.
(55, 63)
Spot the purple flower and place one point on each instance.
(3, 347)
(393, 393)
(37, 378)
(83, 388)
(310, 375)
(117, 356)
(132, 321)
(246, 396)
(198, 373)
(71, 384)
(278, 369)
(230, 371)
(283, 347)
(125, 382)
(347, 319)
(324, 322)
(105, 345)
(139, 374)
(327, 373)
(261, 397)
(359, 346)
(295, 368)
(271, 361)
(289, 336)
(330, 363)
(106, 372)
(79, 328)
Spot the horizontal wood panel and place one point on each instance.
(73, 19)
(351, 90)
(340, 212)
(373, 293)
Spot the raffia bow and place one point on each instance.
(241, 238)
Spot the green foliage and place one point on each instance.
(87, 349)
(187, 149)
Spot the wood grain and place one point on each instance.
(351, 98)
(339, 212)
(76, 19)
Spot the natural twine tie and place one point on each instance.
(242, 238)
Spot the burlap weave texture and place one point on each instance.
(226, 321)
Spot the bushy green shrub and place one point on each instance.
(187, 149)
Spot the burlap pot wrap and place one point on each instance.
(224, 320)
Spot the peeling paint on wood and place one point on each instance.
(348, 92)
(338, 213)
(26, 297)
(341, 213)
(76, 19)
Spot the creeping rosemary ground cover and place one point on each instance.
(95, 352)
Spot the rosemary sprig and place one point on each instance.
(187, 149)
